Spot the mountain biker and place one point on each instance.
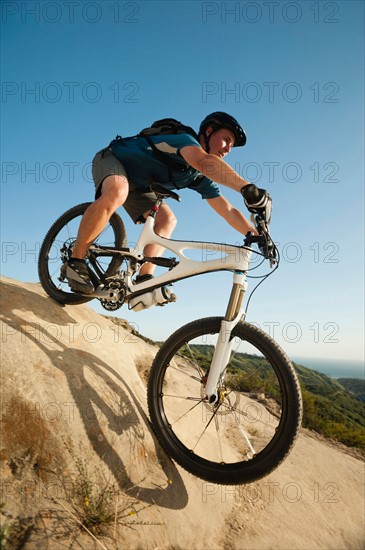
(125, 181)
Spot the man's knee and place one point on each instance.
(114, 191)
(166, 218)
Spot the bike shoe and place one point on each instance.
(143, 278)
(77, 275)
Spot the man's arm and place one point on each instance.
(232, 216)
(213, 167)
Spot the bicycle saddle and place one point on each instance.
(163, 193)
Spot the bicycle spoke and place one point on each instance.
(181, 371)
(184, 397)
(196, 366)
(242, 430)
(67, 230)
(206, 427)
(187, 412)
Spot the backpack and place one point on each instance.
(165, 126)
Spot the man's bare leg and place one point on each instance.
(96, 217)
(94, 221)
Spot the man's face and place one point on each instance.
(221, 141)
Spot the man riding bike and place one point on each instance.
(123, 174)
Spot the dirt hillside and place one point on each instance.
(76, 441)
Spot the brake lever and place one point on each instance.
(267, 248)
(272, 253)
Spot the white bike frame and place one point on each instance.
(233, 258)
(236, 258)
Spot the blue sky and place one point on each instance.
(75, 74)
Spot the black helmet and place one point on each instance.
(219, 120)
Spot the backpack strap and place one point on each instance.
(171, 163)
(163, 127)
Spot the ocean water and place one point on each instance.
(335, 368)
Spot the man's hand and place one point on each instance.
(257, 201)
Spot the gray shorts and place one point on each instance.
(138, 201)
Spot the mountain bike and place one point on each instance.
(223, 397)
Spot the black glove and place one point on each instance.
(257, 201)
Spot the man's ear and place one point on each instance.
(208, 131)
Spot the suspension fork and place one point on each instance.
(224, 343)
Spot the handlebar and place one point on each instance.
(263, 240)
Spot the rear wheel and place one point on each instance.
(57, 248)
(251, 429)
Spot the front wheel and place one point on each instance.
(252, 427)
(57, 249)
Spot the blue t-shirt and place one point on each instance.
(143, 167)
